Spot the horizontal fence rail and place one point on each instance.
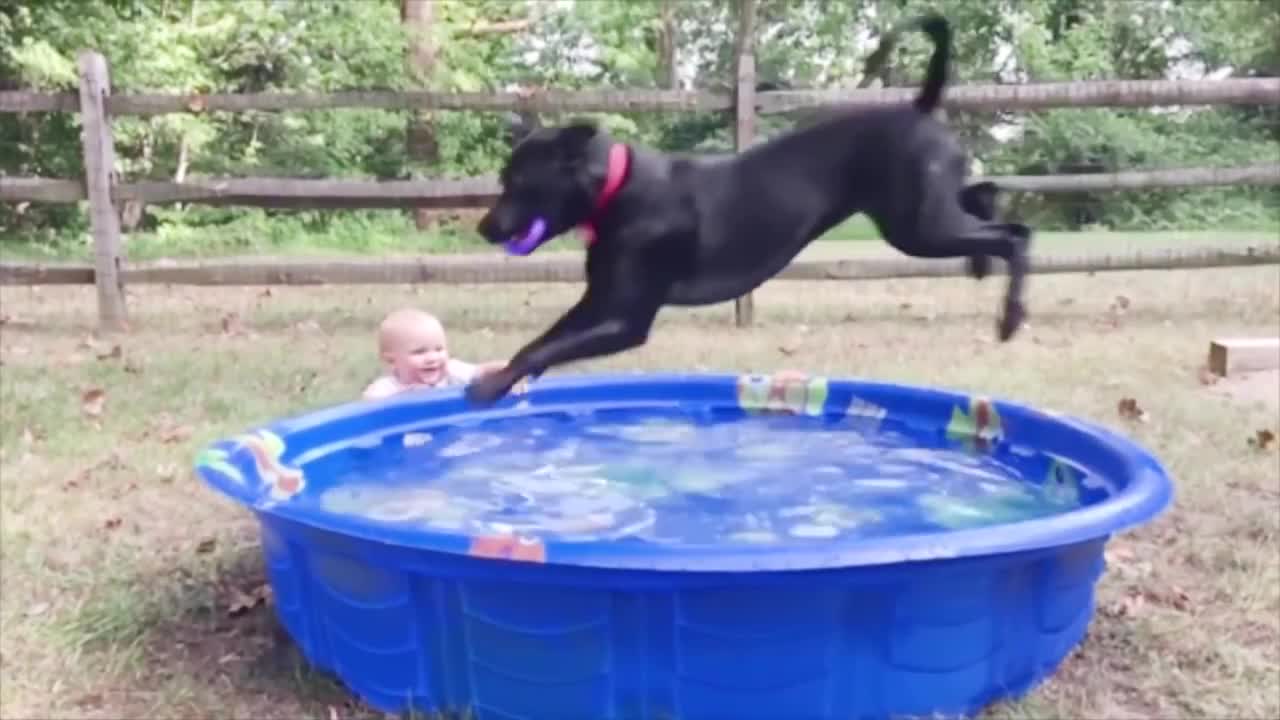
(567, 267)
(481, 191)
(1029, 96)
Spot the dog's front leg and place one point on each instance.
(605, 336)
(615, 314)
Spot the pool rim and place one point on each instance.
(1147, 492)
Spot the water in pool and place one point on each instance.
(675, 479)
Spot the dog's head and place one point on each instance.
(548, 183)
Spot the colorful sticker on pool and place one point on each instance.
(508, 547)
(282, 481)
(219, 460)
(866, 415)
(980, 428)
(786, 392)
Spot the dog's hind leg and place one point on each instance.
(1007, 241)
(979, 200)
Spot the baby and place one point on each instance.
(413, 348)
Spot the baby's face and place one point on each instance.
(419, 354)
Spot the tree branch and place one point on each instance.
(504, 27)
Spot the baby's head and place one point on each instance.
(412, 343)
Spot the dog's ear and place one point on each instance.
(575, 137)
(979, 200)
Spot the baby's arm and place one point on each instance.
(380, 388)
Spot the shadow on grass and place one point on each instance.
(189, 627)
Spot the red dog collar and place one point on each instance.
(619, 159)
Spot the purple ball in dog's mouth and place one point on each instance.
(527, 243)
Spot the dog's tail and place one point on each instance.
(939, 30)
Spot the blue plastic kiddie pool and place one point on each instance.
(687, 546)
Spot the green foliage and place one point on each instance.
(320, 46)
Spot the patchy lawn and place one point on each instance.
(121, 571)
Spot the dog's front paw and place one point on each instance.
(490, 388)
(1014, 316)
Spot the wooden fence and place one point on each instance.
(100, 188)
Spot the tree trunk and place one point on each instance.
(667, 76)
(418, 17)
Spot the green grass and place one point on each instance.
(120, 568)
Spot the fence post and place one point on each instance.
(745, 118)
(99, 172)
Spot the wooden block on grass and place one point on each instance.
(1236, 355)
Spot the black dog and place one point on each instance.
(696, 230)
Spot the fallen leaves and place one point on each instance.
(92, 402)
(1262, 439)
(241, 601)
(112, 523)
(1129, 409)
(175, 434)
(206, 546)
(1116, 310)
(39, 608)
(115, 353)
(1138, 601)
(232, 326)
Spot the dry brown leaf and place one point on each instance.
(266, 293)
(231, 325)
(88, 342)
(206, 546)
(132, 367)
(112, 523)
(93, 401)
(1262, 439)
(88, 700)
(242, 602)
(1131, 605)
(788, 350)
(1130, 410)
(115, 353)
(176, 434)
(1120, 304)
(1178, 599)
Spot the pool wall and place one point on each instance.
(436, 631)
